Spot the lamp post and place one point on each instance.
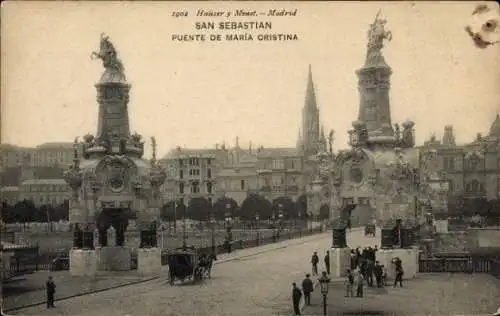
(162, 231)
(323, 282)
(229, 226)
(184, 237)
(280, 220)
(257, 226)
(299, 215)
(212, 227)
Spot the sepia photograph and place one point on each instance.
(221, 158)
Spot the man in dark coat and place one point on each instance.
(327, 262)
(377, 270)
(296, 296)
(314, 262)
(307, 288)
(399, 271)
(51, 290)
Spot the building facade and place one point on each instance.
(44, 155)
(191, 173)
(238, 177)
(44, 191)
(472, 170)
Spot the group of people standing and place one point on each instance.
(364, 267)
(307, 283)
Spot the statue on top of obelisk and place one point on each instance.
(376, 35)
(113, 66)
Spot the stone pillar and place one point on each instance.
(340, 254)
(340, 261)
(82, 257)
(148, 255)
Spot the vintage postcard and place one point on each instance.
(250, 158)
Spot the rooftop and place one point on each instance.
(55, 145)
(43, 181)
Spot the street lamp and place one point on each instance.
(229, 226)
(162, 239)
(184, 237)
(323, 282)
(280, 220)
(212, 226)
(299, 215)
(257, 226)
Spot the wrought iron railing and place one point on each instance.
(460, 264)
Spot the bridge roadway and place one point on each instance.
(258, 284)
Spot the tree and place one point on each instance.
(221, 207)
(24, 211)
(255, 203)
(324, 212)
(8, 213)
(167, 212)
(287, 207)
(198, 209)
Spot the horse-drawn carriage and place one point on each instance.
(187, 264)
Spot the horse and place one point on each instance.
(210, 263)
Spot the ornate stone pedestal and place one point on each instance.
(149, 261)
(114, 258)
(340, 261)
(409, 257)
(82, 262)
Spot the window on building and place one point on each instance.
(209, 187)
(451, 186)
(277, 164)
(472, 162)
(449, 163)
(181, 201)
(209, 173)
(181, 188)
(181, 163)
(194, 172)
(194, 161)
(181, 174)
(195, 187)
(242, 184)
(474, 186)
(209, 161)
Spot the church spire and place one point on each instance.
(310, 119)
(310, 93)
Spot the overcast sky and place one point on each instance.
(201, 93)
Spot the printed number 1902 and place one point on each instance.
(178, 14)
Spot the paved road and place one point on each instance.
(255, 285)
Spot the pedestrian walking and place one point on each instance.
(296, 296)
(359, 281)
(398, 264)
(327, 262)
(349, 284)
(377, 270)
(314, 262)
(51, 290)
(307, 288)
(384, 276)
